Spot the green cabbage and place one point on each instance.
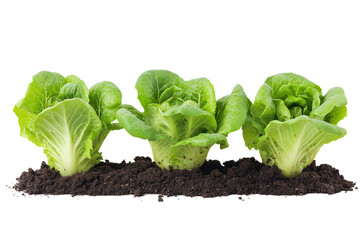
(182, 119)
(67, 120)
(290, 121)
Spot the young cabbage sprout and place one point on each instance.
(182, 119)
(67, 120)
(290, 121)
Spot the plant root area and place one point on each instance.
(243, 177)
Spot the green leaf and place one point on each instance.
(250, 134)
(285, 84)
(292, 145)
(42, 92)
(295, 112)
(134, 111)
(152, 84)
(294, 100)
(282, 112)
(25, 118)
(232, 111)
(180, 122)
(295, 90)
(105, 98)
(263, 110)
(334, 98)
(172, 93)
(202, 92)
(204, 140)
(336, 115)
(74, 88)
(132, 120)
(67, 132)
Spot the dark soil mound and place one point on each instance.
(243, 177)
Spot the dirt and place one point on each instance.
(243, 177)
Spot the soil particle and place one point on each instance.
(243, 177)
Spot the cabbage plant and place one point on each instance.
(182, 119)
(67, 120)
(291, 120)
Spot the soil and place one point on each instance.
(243, 177)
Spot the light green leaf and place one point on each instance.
(335, 97)
(292, 145)
(172, 93)
(66, 132)
(204, 140)
(285, 84)
(282, 112)
(250, 134)
(295, 90)
(232, 111)
(42, 92)
(105, 98)
(134, 111)
(292, 100)
(336, 115)
(129, 119)
(74, 88)
(180, 122)
(152, 84)
(25, 118)
(263, 110)
(295, 112)
(202, 92)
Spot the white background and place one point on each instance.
(228, 42)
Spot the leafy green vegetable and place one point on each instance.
(67, 120)
(290, 121)
(182, 119)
